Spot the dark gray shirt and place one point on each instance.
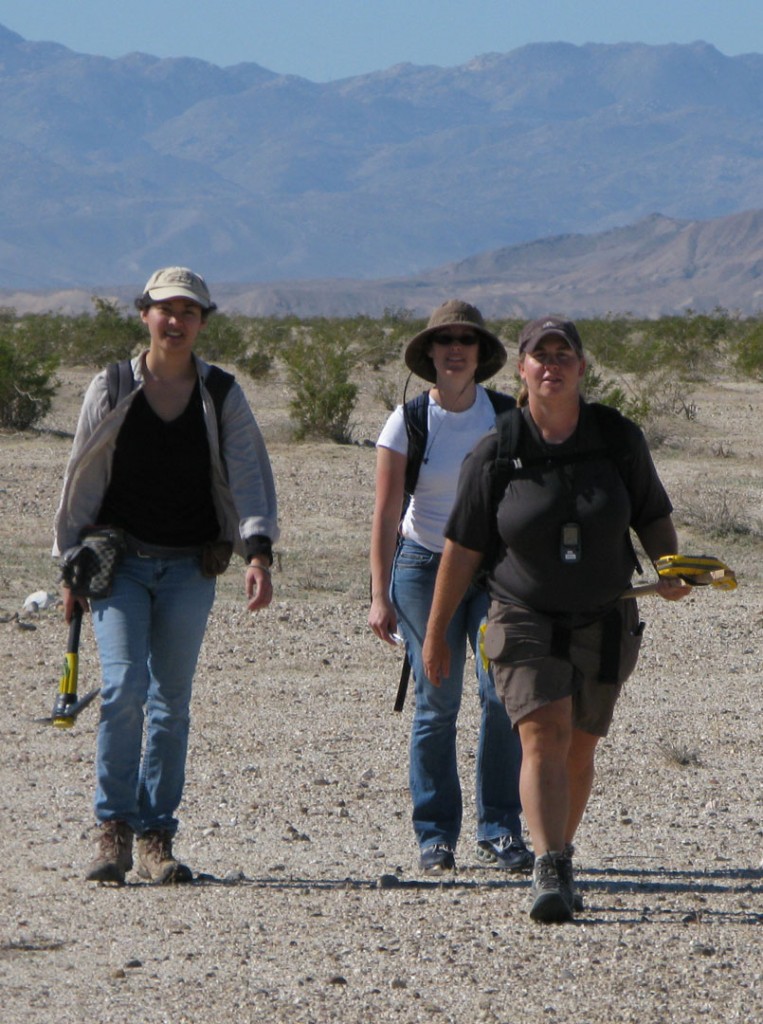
(602, 494)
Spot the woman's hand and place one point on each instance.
(259, 586)
(70, 601)
(672, 588)
(436, 656)
(382, 619)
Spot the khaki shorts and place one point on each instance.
(535, 664)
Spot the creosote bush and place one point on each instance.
(318, 366)
(26, 385)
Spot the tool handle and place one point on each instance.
(67, 687)
(75, 628)
(642, 591)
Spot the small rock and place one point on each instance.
(39, 599)
(389, 881)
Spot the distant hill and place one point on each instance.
(653, 268)
(109, 168)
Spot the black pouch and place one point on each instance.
(215, 557)
(88, 568)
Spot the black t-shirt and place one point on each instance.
(540, 499)
(161, 482)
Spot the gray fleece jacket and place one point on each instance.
(243, 489)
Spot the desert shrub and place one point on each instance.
(222, 340)
(632, 400)
(717, 512)
(26, 384)
(748, 356)
(318, 365)
(375, 342)
(693, 344)
(110, 334)
(265, 339)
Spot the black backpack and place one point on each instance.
(120, 381)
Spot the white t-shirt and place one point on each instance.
(450, 437)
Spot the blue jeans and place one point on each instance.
(149, 634)
(434, 783)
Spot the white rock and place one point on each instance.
(39, 599)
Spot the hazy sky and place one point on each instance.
(328, 39)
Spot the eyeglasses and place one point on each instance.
(565, 357)
(446, 338)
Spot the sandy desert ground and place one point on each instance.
(307, 904)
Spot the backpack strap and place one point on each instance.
(415, 416)
(218, 383)
(612, 426)
(501, 402)
(119, 381)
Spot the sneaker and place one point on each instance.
(549, 894)
(437, 858)
(156, 861)
(576, 900)
(507, 852)
(114, 857)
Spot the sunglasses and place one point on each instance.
(446, 338)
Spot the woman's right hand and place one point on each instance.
(69, 603)
(382, 618)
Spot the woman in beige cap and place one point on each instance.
(454, 353)
(168, 455)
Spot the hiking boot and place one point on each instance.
(156, 861)
(437, 858)
(549, 891)
(114, 857)
(575, 899)
(507, 852)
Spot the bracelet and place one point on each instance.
(256, 565)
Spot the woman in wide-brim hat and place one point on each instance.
(454, 353)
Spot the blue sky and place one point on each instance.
(329, 39)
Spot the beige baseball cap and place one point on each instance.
(176, 283)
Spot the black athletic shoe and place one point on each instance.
(507, 852)
(437, 858)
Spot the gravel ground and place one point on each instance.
(307, 904)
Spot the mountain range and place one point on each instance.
(608, 170)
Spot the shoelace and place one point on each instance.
(546, 874)
(506, 842)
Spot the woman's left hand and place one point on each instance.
(673, 588)
(259, 586)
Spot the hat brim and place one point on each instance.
(176, 292)
(419, 362)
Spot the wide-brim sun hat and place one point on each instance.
(178, 283)
(455, 313)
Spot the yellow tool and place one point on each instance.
(695, 570)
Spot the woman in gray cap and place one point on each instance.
(167, 455)
(454, 353)
(561, 639)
